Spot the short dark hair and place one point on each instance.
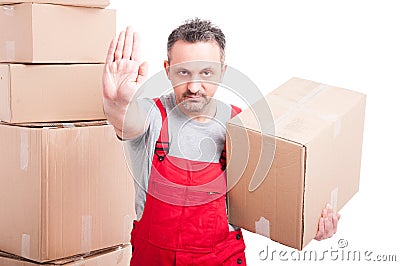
(197, 30)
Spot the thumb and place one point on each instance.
(142, 72)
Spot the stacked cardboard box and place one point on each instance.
(66, 190)
(74, 40)
(53, 33)
(116, 256)
(316, 158)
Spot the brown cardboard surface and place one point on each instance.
(61, 124)
(318, 138)
(47, 93)
(65, 191)
(87, 3)
(45, 33)
(118, 256)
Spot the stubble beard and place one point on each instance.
(194, 105)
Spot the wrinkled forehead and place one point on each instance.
(182, 51)
(197, 66)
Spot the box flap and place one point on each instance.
(279, 217)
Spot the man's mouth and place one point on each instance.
(193, 97)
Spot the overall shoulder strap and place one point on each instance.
(222, 159)
(235, 110)
(162, 144)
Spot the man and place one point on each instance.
(175, 144)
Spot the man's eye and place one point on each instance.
(207, 73)
(183, 72)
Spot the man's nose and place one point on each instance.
(194, 86)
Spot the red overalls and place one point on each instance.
(184, 221)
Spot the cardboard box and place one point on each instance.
(87, 3)
(43, 93)
(115, 256)
(64, 190)
(317, 140)
(45, 33)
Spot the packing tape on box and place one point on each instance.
(10, 50)
(80, 262)
(8, 10)
(25, 245)
(279, 122)
(68, 125)
(334, 199)
(262, 227)
(24, 149)
(86, 240)
(120, 255)
(337, 122)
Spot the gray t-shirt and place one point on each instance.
(188, 139)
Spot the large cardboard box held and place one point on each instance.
(45, 33)
(115, 256)
(64, 191)
(44, 93)
(318, 139)
(88, 3)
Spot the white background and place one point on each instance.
(350, 44)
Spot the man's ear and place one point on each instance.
(166, 68)
(223, 70)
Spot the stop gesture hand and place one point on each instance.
(123, 74)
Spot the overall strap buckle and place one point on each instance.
(161, 150)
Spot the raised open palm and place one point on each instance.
(122, 76)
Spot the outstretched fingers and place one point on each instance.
(120, 46)
(328, 222)
(328, 227)
(136, 47)
(129, 40)
(321, 229)
(335, 221)
(109, 89)
(123, 68)
(111, 51)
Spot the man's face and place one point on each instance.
(194, 71)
